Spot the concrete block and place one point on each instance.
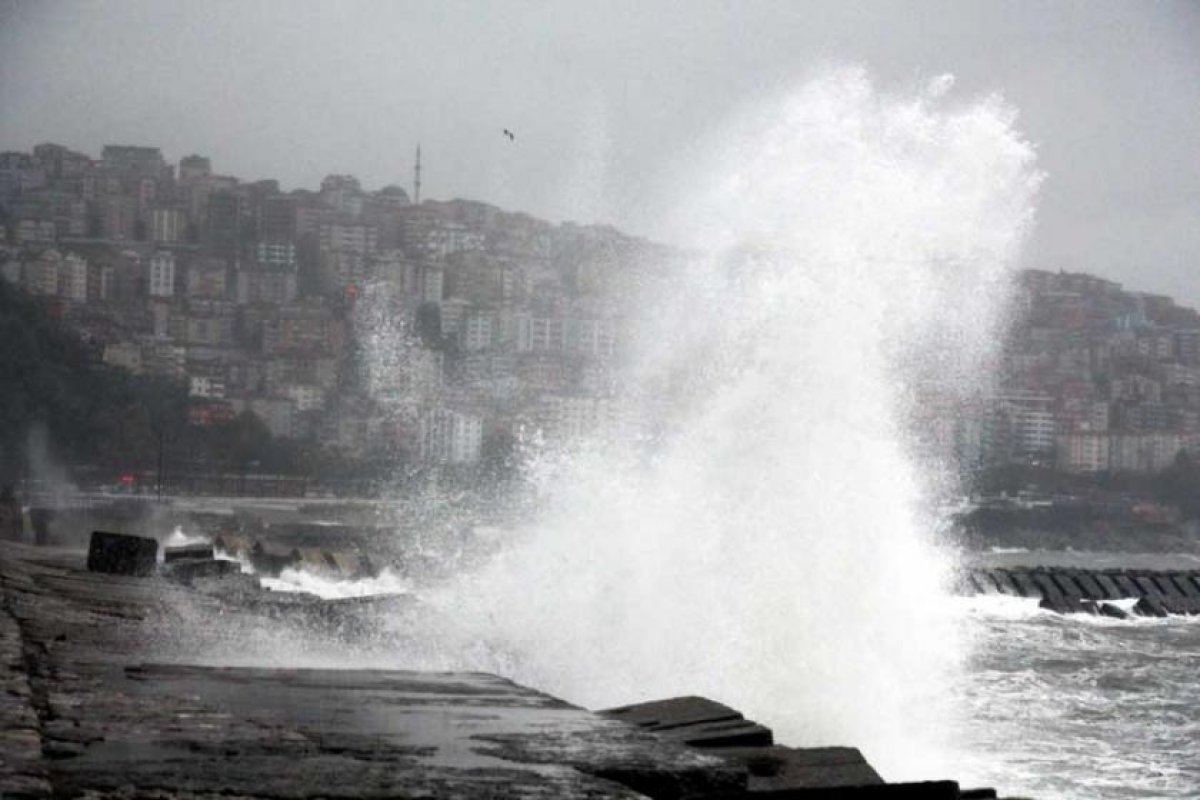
(1108, 585)
(1145, 584)
(673, 712)
(1061, 604)
(200, 551)
(1166, 585)
(1004, 580)
(271, 561)
(1047, 586)
(1186, 585)
(187, 570)
(1150, 606)
(1090, 586)
(1177, 604)
(1125, 583)
(120, 554)
(233, 544)
(1025, 585)
(1067, 583)
(772, 768)
(734, 733)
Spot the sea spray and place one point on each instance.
(759, 532)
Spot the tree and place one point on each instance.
(1179, 485)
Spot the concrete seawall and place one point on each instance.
(116, 686)
(1157, 593)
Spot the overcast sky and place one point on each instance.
(605, 96)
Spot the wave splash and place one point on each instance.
(760, 533)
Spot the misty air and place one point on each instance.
(575, 400)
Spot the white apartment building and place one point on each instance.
(207, 386)
(280, 255)
(162, 274)
(477, 332)
(353, 237)
(73, 278)
(450, 437)
(168, 225)
(1084, 452)
(41, 274)
(306, 398)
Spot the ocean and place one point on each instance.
(1079, 707)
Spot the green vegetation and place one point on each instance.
(91, 414)
(112, 421)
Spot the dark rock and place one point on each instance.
(1110, 610)
(1061, 604)
(187, 570)
(200, 551)
(121, 554)
(271, 561)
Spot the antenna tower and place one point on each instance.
(417, 179)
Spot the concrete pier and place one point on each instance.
(107, 693)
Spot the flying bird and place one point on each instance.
(512, 137)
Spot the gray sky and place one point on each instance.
(605, 97)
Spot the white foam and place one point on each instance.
(762, 541)
(300, 580)
(178, 538)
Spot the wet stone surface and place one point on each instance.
(89, 710)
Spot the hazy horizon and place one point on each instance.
(611, 103)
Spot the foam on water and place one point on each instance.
(1077, 706)
(759, 533)
(302, 580)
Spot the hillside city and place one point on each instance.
(374, 320)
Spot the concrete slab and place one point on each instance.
(773, 768)
(93, 715)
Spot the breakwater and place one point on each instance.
(1112, 592)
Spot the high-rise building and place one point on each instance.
(130, 160)
(224, 221)
(193, 167)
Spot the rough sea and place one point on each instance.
(1079, 707)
